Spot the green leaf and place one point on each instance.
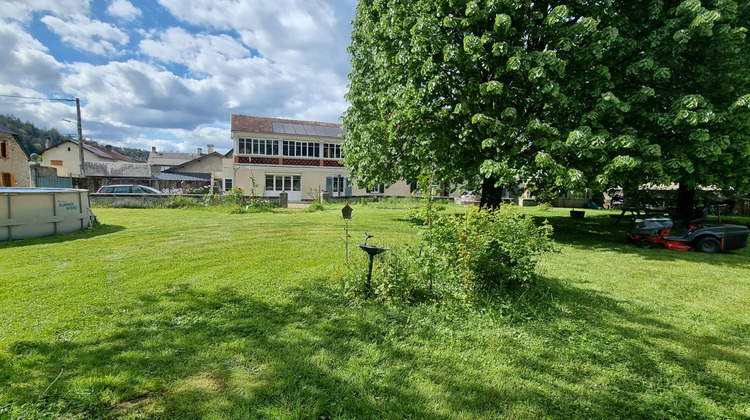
(514, 63)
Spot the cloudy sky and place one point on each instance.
(169, 73)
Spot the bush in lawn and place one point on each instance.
(480, 252)
(316, 207)
(236, 196)
(396, 276)
(486, 250)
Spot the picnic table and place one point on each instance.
(636, 211)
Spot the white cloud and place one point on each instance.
(123, 9)
(201, 53)
(22, 10)
(87, 35)
(26, 62)
(176, 87)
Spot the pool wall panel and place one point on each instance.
(32, 213)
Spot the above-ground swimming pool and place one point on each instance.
(37, 212)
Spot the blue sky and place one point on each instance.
(169, 73)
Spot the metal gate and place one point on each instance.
(54, 182)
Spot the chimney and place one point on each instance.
(47, 143)
(153, 149)
(209, 148)
(200, 151)
(109, 147)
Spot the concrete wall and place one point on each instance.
(16, 163)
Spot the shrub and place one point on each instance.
(396, 276)
(482, 252)
(179, 201)
(544, 206)
(316, 207)
(489, 249)
(236, 196)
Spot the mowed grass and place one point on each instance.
(198, 314)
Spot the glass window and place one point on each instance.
(287, 183)
(228, 184)
(296, 183)
(269, 182)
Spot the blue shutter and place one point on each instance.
(329, 184)
(348, 188)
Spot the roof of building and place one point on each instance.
(100, 151)
(170, 158)
(284, 126)
(184, 176)
(197, 159)
(5, 129)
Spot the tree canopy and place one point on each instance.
(564, 95)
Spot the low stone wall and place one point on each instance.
(150, 199)
(144, 199)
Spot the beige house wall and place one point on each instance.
(312, 179)
(68, 153)
(16, 162)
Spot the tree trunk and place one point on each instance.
(492, 196)
(685, 202)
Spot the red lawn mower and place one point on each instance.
(656, 230)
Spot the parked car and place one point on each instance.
(127, 189)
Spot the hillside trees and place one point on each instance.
(571, 95)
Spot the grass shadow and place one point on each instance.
(190, 354)
(186, 353)
(608, 358)
(102, 229)
(600, 232)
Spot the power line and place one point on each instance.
(38, 99)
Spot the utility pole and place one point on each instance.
(80, 137)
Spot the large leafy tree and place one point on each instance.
(675, 109)
(460, 90)
(567, 95)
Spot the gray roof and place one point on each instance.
(306, 129)
(170, 158)
(5, 129)
(197, 159)
(186, 176)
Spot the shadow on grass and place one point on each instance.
(185, 353)
(100, 230)
(600, 232)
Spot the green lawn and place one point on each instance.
(197, 314)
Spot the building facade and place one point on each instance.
(65, 157)
(301, 158)
(14, 160)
